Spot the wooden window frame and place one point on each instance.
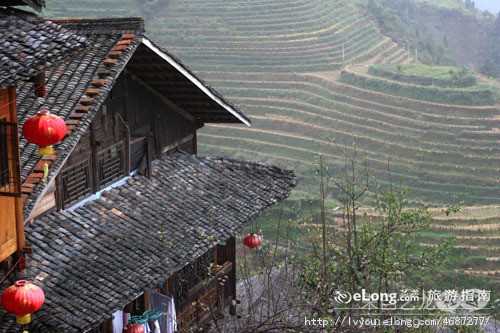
(10, 182)
(70, 174)
(104, 164)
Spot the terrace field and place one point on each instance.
(302, 70)
(281, 63)
(299, 69)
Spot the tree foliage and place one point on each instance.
(379, 253)
(492, 65)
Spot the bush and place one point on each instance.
(479, 96)
(460, 79)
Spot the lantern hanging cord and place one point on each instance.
(10, 271)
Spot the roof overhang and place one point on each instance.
(35, 4)
(207, 95)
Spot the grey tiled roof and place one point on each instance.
(27, 43)
(99, 257)
(67, 84)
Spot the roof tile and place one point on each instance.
(30, 43)
(99, 257)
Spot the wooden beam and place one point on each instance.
(19, 204)
(178, 143)
(191, 77)
(94, 183)
(167, 82)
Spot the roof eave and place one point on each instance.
(35, 4)
(206, 90)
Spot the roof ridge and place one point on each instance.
(105, 24)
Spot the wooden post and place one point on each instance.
(59, 192)
(21, 239)
(93, 160)
(19, 204)
(107, 326)
(126, 117)
(126, 150)
(149, 152)
(147, 300)
(231, 244)
(195, 143)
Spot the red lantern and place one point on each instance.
(45, 129)
(135, 328)
(22, 299)
(252, 241)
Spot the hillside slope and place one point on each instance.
(444, 31)
(280, 61)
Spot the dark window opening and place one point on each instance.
(4, 155)
(93, 173)
(190, 276)
(111, 164)
(9, 164)
(76, 182)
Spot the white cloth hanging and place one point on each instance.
(146, 328)
(156, 326)
(118, 322)
(171, 317)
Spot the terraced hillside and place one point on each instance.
(282, 68)
(301, 70)
(281, 62)
(475, 254)
(474, 257)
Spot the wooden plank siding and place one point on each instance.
(197, 300)
(132, 122)
(202, 294)
(11, 206)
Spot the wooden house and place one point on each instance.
(23, 36)
(129, 215)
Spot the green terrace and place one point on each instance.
(472, 94)
(320, 77)
(250, 50)
(419, 74)
(295, 116)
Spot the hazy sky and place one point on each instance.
(491, 5)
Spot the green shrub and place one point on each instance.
(453, 78)
(479, 96)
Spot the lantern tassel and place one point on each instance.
(45, 171)
(24, 320)
(47, 151)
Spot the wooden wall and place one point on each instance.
(198, 301)
(134, 126)
(148, 114)
(8, 229)
(193, 290)
(11, 219)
